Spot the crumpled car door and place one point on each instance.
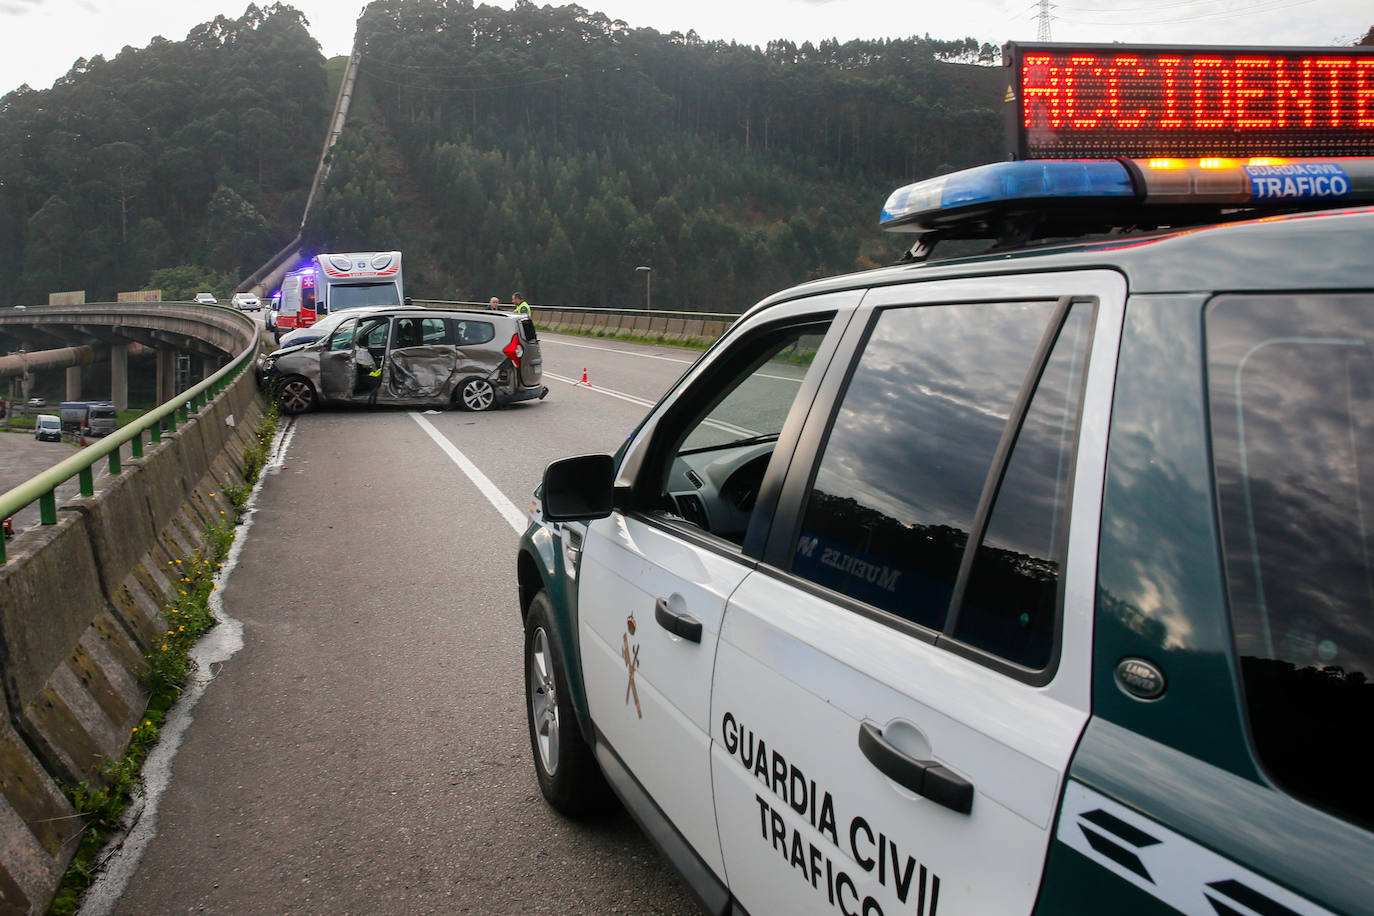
(336, 363)
(421, 373)
(423, 357)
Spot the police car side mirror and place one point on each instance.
(579, 489)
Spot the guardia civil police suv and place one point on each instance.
(1040, 580)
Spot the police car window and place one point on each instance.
(910, 447)
(1291, 398)
(1011, 603)
(721, 454)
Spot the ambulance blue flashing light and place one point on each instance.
(1009, 181)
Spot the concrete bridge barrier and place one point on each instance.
(81, 605)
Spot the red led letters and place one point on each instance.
(1198, 101)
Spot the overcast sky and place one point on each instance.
(40, 39)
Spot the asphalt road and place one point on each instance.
(365, 751)
(22, 457)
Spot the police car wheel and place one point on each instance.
(475, 394)
(295, 395)
(568, 774)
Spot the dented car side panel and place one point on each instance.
(412, 358)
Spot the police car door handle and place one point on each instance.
(679, 624)
(927, 778)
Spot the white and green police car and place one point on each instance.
(1040, 580)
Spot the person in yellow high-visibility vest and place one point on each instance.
(521, 306)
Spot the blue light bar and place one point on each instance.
(1084, 193)
(1008, 181)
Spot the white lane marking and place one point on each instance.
(565, 343)
(125, 851)
(513, 516)
(607, 391)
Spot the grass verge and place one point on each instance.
(101, 802)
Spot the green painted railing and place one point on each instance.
(164, 418)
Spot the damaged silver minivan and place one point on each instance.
(409, 357)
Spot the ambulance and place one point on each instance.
(1032, 574)
(331, 282)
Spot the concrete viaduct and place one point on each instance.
(76, 336)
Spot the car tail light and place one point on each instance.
(513, 350)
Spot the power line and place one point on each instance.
(1138, 9)
(1231, 14)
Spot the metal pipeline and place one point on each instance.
(61, 358)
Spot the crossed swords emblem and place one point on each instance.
(631, 663)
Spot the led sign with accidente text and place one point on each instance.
(1142, 101)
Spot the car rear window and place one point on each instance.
(470, 333)
(1291, 397)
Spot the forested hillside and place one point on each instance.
(195, 153)
(553, 150)
(547, 149)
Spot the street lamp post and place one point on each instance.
(647, 271)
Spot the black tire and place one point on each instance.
(567, 770)
(296, 395)
(474, 394)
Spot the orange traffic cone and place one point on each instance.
(584, 378)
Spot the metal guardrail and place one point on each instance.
(582, 309)
(164, 418)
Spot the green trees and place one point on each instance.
(180, 284)
(180, 153)
(548, 148)
(555, 149)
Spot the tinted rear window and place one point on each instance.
(1291, 392)
(357, 295)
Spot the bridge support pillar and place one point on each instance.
(73, 383)
(166, 374)
(119, 376)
